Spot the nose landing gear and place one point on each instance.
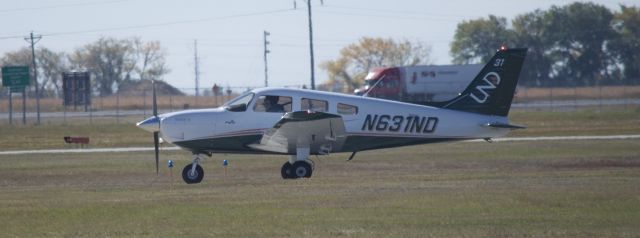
(193, 173)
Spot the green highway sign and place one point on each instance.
(15, 76)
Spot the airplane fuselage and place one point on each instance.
(369, 123)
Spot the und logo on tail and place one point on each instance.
(491, 91)
(492, 80)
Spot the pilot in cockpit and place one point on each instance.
(270, 104)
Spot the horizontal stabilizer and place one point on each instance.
(505, 125)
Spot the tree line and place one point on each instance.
(110, 61)
(580, 44)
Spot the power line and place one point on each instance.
(59, 6)
(403, 12)
(158, 24)
(389, 16)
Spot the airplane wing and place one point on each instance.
(320, 132)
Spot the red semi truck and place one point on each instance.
(421, 84)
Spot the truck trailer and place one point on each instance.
(420, 84)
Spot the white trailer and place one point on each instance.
(420, 83)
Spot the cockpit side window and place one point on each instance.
(314, 105)
(273, 103)
(346, 109)
(239, 104)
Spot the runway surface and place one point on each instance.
(137, 149)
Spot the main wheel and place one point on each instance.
(302, 169)
(286, 171)
(194, 177)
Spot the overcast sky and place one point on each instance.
(230, 33)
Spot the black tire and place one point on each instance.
(286, 171)
(195, 178)
(301, 169)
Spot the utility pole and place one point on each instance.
(34, 39)
(197, 68)
(266, 51)
(313, 83)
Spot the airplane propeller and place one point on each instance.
(156, 140)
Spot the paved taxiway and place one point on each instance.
(136, 149)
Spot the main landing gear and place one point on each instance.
(299, 169)
(298, 166)
(193, 173)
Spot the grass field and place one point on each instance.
(466, 189)
(539, 189)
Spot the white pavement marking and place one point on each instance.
(555, 138)
(137, 149)
(97, 150)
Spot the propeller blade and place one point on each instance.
(156, 143)
(155, 104)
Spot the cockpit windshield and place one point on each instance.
(239, 103)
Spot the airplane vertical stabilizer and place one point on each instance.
(491, 91)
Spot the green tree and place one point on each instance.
(529, 30)
(627, 46)
(476, 41)
(580, 32)
(356, 60)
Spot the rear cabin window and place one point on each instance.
(314, 105)
(273, 103)
(346, 109)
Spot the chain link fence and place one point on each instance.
(136, 106)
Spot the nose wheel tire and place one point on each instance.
(192, 177)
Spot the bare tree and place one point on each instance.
(150, 59)
(356, 60)
(112, 61)
(50, 66)
(109, 60)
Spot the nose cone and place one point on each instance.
(151, 124)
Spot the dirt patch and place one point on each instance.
(597, 164)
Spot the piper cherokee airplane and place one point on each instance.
(301, 123)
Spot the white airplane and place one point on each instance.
(301, 123)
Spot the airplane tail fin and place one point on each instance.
(491, 91)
